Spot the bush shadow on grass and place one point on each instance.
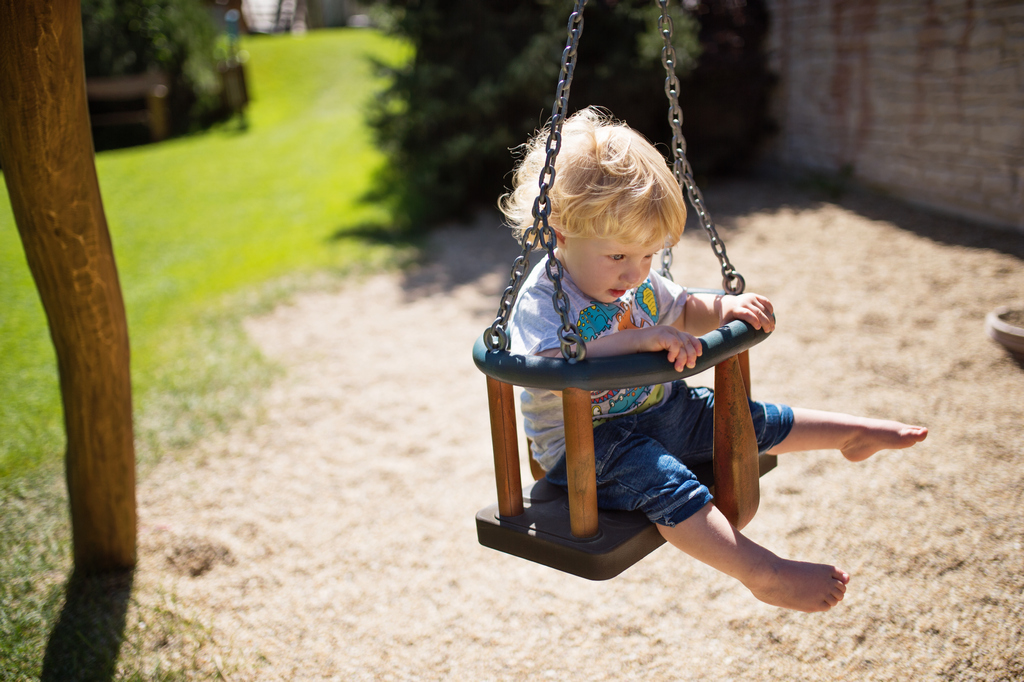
(86, 641)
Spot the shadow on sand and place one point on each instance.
(485, 246)
(733, 199)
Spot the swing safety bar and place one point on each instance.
(619, 371)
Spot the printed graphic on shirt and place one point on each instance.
(647, 302)
(645, 311)
(636, 312)
(616, 402)
(596, 319)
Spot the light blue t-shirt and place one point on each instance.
(533, 328)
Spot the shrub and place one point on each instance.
(483, 79)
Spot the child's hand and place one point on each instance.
(683, 349)
(752, 308)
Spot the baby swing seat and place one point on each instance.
(540, 527)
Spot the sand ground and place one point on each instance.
(330, 535)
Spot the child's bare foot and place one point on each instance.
(799, 585)
(878, 434)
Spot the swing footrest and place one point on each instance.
(542, 533)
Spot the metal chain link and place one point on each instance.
(496, 336)
(732, 281)
(666, 262)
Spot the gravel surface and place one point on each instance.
(330, 535)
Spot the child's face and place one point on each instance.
(604, 269)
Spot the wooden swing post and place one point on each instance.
(579, 461)
(744, 359)
(736, 467)
(46, 152)
(505, 443)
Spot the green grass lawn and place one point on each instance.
(206, 229)
(197, 219)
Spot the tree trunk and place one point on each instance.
(47, 156)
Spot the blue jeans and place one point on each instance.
(641, 459)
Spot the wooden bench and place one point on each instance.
(149, 89)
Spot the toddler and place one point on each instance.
(616, 203)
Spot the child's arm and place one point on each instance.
(683, 348)
(703, 313)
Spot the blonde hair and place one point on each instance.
(610, 183)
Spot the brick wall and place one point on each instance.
(921, 98)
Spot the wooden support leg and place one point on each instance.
(744, 359)
(579, 460)
(47, 156)
(505, 442)
(737, 492)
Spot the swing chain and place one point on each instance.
(666, 262)
(732, 281)
(496, 337)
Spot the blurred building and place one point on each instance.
(276, 16)
(923, 99)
